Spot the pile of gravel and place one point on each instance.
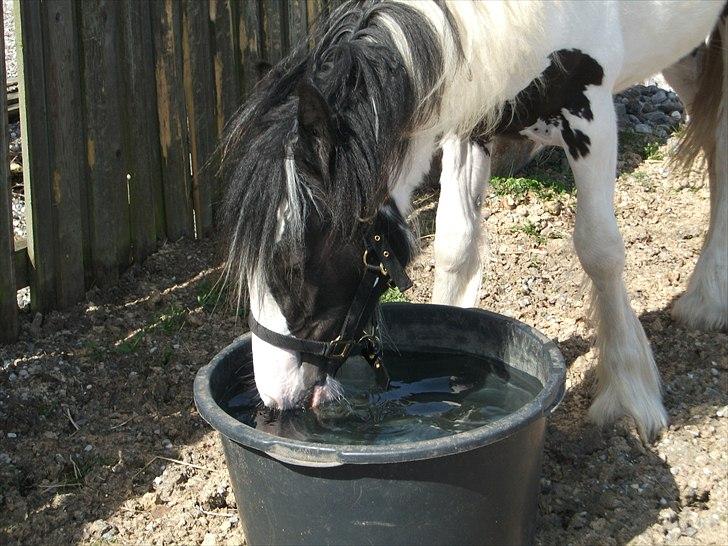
(649, 110)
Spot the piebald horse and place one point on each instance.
(334, 140)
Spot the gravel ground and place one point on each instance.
(11, 65)
(100, 441)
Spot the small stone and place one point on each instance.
(12, 377)
(553, 208)
(88, 448)
(672, 535)
(642, 129)
(578, 520)
(12, 435)
(648, 108)
(722, 412)
(658, 97)
(209, 540)
(99, 527)
(35, 325)
(110, 533)
(148, 500)
(668, 514)
(676, 115)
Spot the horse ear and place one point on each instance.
(314, 115)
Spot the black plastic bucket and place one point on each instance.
(476, 487)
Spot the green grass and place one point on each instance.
(209, 295)
(544, 189)
(215, 296)
(392, 295)
(652, 151)
(530, 229)
(168, 322)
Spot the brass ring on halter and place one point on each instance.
(380, 267)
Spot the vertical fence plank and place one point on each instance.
(36, 172)
(274, 29)
(106, 176)
(249, 31)
(297, 22)
(8, 296)
(66, 151)
(316, 9)
(199, 90)
(172, 117)
(140, 135)
(227, 77)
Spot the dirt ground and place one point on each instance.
(100, 440)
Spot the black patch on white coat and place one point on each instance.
(561, 85)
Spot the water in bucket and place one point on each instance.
(430, 396)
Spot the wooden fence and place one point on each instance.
(121, 105)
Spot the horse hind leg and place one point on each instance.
(704, 305)
(458, 268)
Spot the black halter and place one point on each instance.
(381, 269)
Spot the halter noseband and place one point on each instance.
(382, 269)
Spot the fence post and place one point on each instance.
(274, 30)
(227, 76)
(106, 176)
(172, 117)
(141, 136)
(316, 9)
(8, 295)
(36, 172)
(66, 150)
(297, 22)
(200, 98)
(249, 31)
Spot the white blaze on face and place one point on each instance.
(278, 374)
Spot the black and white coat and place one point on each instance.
(336, 133)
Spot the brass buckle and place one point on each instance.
(339, 348)
(379, 267)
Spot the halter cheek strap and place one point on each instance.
(330, 355)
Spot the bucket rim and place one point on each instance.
(315, 454)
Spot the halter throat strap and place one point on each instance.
(382, 269)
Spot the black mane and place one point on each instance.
(373, 104)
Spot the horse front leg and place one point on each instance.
(628, 382)
(458, 268)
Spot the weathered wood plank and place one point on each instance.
(250, 43)
(316, 9)
(22, 264)
(36, 171)
(199, 89)
(227, 74)
(66, 150)
(172, 117)
(106, 176)
(297, 22)
(140, 134)
(274, 30)
(8, 294)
